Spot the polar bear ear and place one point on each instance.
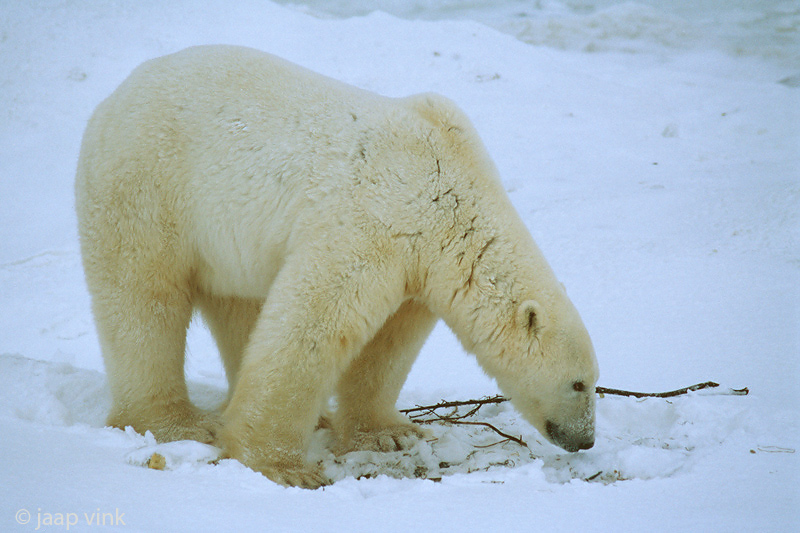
(531, 316)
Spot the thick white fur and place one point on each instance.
(320, 230)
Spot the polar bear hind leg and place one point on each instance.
(142, 329)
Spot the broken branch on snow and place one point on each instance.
(417, 414)
(670, 394)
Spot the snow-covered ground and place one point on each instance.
(654, 155)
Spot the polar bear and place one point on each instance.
(321, 230)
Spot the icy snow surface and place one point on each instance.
(652, 149)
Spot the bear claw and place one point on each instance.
(303, 477)
(390, 439)
(184, 426)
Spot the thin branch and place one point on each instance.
(670, 394)
(492, 444)
(488, 425)
(458, 421)
(482, 401)
(417, 414)
(600, 390)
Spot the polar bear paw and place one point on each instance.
(387, 439)
(305, 477)
(183, 425)
(202, 428)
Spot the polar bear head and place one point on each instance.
(544, 361)
(552, 383)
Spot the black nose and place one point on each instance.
(566, 441)
(572, 446)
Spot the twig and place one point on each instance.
(467, 423)
(417, 413)
(700, 386)
(599, 390)
(492, 444)
(670, 394)
(482, 401)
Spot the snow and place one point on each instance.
(654, 154)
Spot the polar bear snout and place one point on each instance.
(571, 441)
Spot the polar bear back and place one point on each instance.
(244, 153)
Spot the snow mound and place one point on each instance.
(53, 394)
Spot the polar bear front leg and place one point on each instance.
(276, 403)
(366, 417)
(311, 326)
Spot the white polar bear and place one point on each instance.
(321, 230)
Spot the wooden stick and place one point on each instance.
(670, 394)
(416, 413)
(482, 401)
(468, 423)
(599, 390)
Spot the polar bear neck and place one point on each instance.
(469, 256)
(483, 263)
(486, 268)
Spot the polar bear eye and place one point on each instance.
(578, 386)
